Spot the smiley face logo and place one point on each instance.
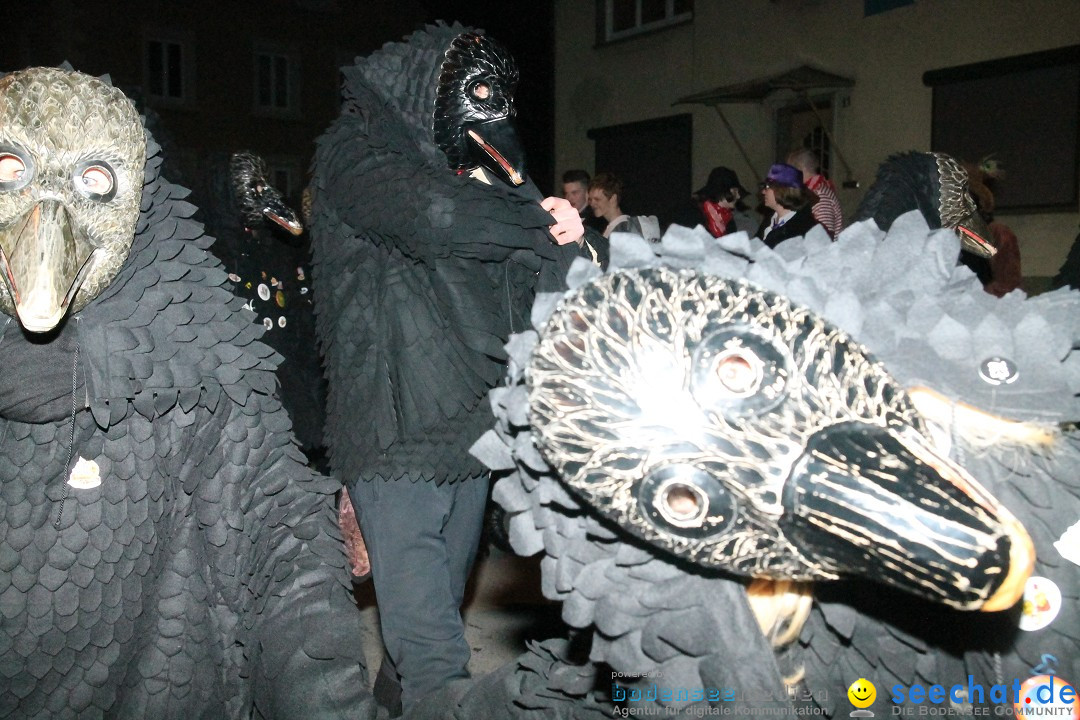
(862, 693)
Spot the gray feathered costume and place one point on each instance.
(648, 484)
(164, 552)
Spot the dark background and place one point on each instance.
(220, 39)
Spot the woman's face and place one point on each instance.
(768, 196)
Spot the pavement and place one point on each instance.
(503, 609)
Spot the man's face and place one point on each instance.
(601, 203)
(575, 192)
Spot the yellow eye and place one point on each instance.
(12, 168)
(96, 179)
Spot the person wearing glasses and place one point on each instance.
(791, 202)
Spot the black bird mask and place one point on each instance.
(727, 425)
(72, 150)
(474, 108)
(256, 197)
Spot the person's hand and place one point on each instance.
(568, 227)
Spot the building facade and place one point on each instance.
(623, 66)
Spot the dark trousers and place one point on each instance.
(422, 540)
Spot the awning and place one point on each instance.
(802, 80)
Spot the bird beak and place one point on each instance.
(883, 503)
(276, 211)
(495, 145)
(975, 236)
(44, 261)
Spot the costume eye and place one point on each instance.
(682, 504)
(739, 371)
(16, 168)
(11, 168)
(686, 501)
(96, 180)
(480, 90)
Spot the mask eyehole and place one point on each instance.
(95, 180)
(16, 168)
(739, 372)
(682, 504)
(480, 91)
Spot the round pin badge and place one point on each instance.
(281, 321)
(268, 323)
(998, 371)
(264, 291)
(1042, 603)
(234, 277)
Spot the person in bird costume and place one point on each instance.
(165, 551)
(429, 242)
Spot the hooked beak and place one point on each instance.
(495, 145)
(883, 503)
(975, 236)
(276, 211)
(44, 261)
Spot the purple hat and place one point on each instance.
(781, 175)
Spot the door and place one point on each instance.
(652, 157)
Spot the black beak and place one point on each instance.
(495, 146)
(882, 503)
(44, 261)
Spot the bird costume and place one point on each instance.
(258, 239)
(165, 551)
(936, 185)
(428, 244)
(692, 477)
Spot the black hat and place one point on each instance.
(721, 179)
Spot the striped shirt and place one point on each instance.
(827, 209)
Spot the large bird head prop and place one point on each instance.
(711, 414)
(936, 185)
(72, 150)
(474, 108)
(257, 199)
(735, 429)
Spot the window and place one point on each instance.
(275, 75)
(165, 70)
(617, 19)
(1022, 111)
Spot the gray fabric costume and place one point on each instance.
(662, 622)
(421, 272)
(164, 552)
